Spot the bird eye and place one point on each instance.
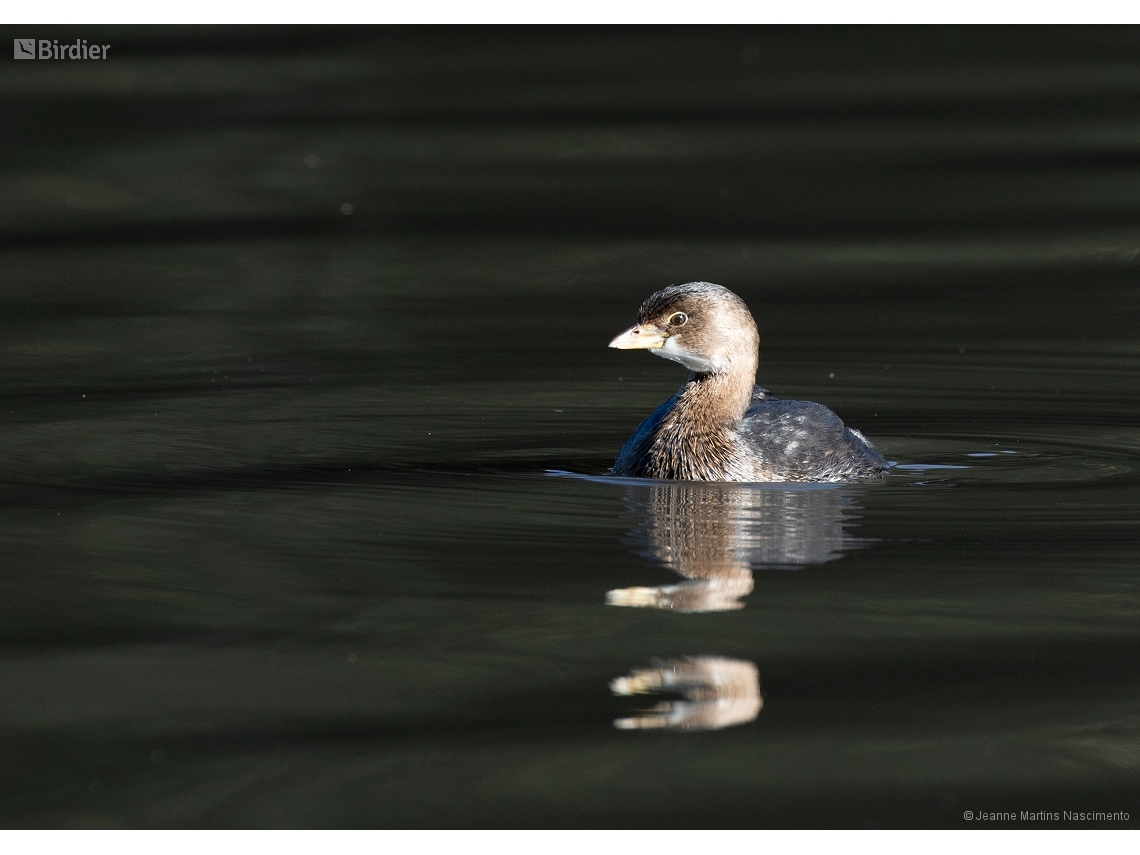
(677, 319)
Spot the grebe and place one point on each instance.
(720, 426)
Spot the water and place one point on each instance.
(305, 516)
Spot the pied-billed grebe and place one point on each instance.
(720, 426)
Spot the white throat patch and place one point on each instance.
(694, 362)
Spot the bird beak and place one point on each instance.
(639, 337)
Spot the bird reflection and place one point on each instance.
(717, 692)
(712, 535)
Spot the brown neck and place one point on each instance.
(716, 401)
(695, 441)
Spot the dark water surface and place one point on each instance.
(294, 531)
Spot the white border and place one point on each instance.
(618, 842)
(571, 12)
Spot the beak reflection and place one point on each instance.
(715, 692)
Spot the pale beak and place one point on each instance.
(639, 337)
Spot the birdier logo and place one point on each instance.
(52, 49)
